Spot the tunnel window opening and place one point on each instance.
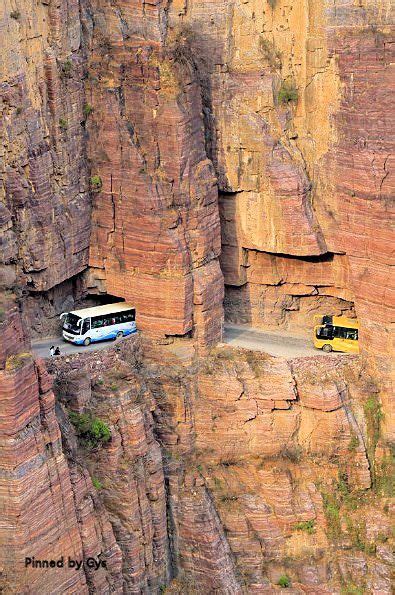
(90, 300)
(104, 298)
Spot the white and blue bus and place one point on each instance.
(100, 323)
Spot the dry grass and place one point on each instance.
(270, 54)
(17, 361)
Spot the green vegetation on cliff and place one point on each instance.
(92, 432)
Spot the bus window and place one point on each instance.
(129, 316)
(97, 322)
(352, 333)
(341, 332)
(72, 324)
(325, 332)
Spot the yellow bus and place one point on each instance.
(336, 333)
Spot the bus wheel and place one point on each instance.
(87, 341)
(327, 348)
(119, 334)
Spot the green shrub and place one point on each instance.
(272, 3)
(374, 416)
(15, 14)
(332, 514)
(354, 443)
(63, 124)
(92, 432)
(96, 182)
(288, 92)
(228, 498)
(14, 362)
(351, 589)
(97, 483)
(66, 68)
(385, 476)
(180, 46)
(357, 533)
(284, 581)
(87, 110)
(292, 453)
(308, 526)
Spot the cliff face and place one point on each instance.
(44, 191)
(198, 488)
(297, 99)
(186, 155)
(156, 238)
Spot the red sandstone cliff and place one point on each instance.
(137, 137)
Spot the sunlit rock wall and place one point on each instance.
(297, 99)
(156, 234)
(44, 192)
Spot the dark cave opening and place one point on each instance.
(41, 309)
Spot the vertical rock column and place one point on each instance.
(49, 508)
(363, 181)
(43, 167)
(156, 234)
(37, 505)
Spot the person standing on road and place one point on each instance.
(52, 350)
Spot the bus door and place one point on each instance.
(86, 326)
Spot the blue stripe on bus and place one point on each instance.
(112, 335)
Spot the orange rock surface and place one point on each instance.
(195, 157)
(155, 219)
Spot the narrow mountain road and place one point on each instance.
(278, 343)
(41, 347)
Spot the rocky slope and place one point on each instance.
(186, 155)
(197, 489)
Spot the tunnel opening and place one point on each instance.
(285, 292)
(273, 290)
(41, 309)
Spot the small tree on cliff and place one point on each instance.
(92, 432)
(96, 183)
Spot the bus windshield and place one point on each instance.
(72, 324)
(325, 332)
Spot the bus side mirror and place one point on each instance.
(63, 315)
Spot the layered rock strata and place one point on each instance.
(197, 487)
(236, 472)
(38, 508)
(156, 235)
(44, 196)
(297, 102)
